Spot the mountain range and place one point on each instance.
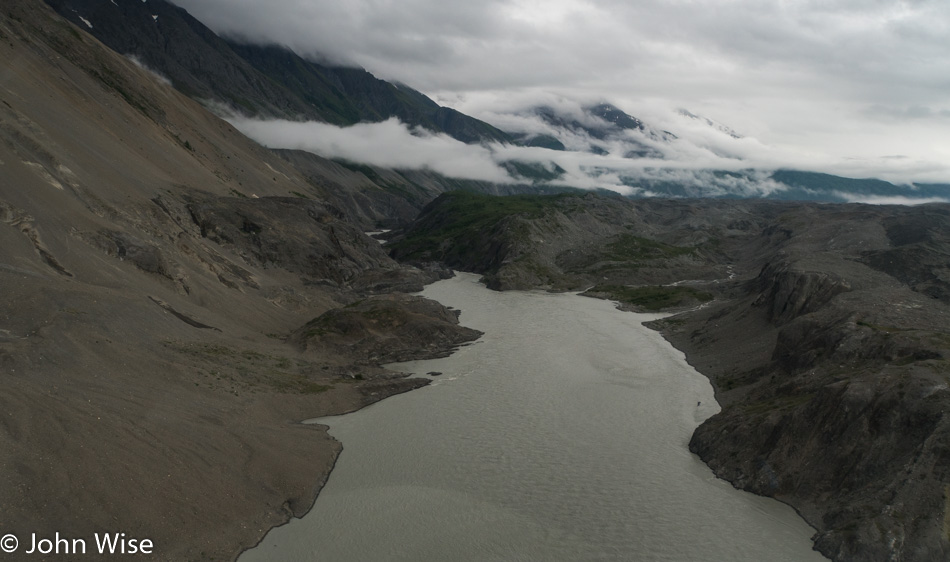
(273, 82)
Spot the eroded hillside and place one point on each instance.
(155, 266)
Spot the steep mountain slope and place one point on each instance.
(154, 264)
(358, 96)
(710, 123)
(263, 81)
(827, 340)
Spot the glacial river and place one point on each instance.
(560, 435)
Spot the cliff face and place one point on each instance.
(843, 419)
(838, 406)
(787, 293)
(826, 350)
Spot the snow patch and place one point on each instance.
(154, 17)
(85, 21)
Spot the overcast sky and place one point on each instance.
(856, 87)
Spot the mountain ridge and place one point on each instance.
(260, 81)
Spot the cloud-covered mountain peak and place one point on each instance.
(614, 115)
(598, 129)
(599, 121)
(714, 124)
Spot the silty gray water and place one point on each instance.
(560, 435)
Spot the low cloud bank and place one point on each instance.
(704, 159)
(895, 200)
(388, 144)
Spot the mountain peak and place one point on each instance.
(612, 114)
(714, 124)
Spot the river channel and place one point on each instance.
(560, 435)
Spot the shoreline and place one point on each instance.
(439, 335)
(295, 539)
(324, 476)
(687, 354)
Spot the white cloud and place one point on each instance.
(833, 85)
(852, 148)
(389, 144)
(896, 200)
(702, 161)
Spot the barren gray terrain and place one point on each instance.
(155, 267)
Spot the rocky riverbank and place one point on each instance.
(825, 334)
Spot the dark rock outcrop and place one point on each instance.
(385, 329)
(301, 235)
(787, 293)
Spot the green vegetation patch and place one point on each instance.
(652, 298)
(463, 218)
(534, 171)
